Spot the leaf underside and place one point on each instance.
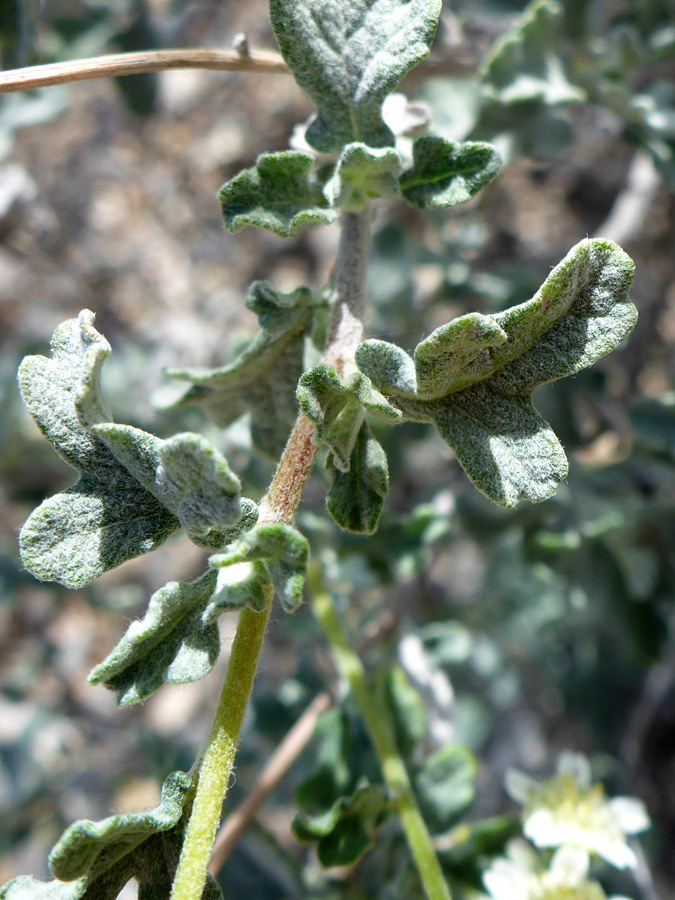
(170, 645)
(347, 57)
(356, 497)
(474, 377)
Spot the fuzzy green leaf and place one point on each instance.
(279, 193)
(474, 377)
(445, 173)
(264, 377)
(284, 553)
(94, 860)
(362, 174)
(338, 407)
(344, 832)
(107, 517)
(348, 57)
(524, 64)
(186, 474)
(238, 584)
(171, 644)
(355, 498)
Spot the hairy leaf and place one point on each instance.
(279, 193)
(171, 644)
(107, 517)
(474, 377)
(284, 553)
(348, 57)
(363, 173)
(355, 498)
(263, 378)
(524, 65)
(445, 173)
(238, 584)
(186, 474)
(94, 860)
(338, 407)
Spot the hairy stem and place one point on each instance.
(117, 64)
(218, 759)
(349, 284)
(394, 771)
(279, 505)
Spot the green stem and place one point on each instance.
(279, 504)
(393, 769)
(218, 759)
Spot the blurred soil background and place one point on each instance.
(109, 203)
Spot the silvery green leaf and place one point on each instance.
(171, 644)
(362, 174)
(337, 408)
(445, 173)
(107, 517)
(279, 193)
(474, 377)
(185, 473)
(356, 496)
(95, 860)
(263, 379)
(284, 553)
(525, 65)
(347, 57)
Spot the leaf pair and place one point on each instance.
(473, 378)
(282, 193)
(177, 640)
(94, 860)
(134, 489)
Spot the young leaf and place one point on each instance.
(107, 517)
(363, 173)
(170, 645)
(284, 553)
(279, 193)
(474, 377)
(338, 407)
(263, 378)
(94, 860)
(355, 498)
(348, 58)
(524, 64)
(238, 584)
(445, 173)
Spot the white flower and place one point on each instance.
(517, 878)
(570, 809)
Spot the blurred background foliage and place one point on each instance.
(524, 632)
